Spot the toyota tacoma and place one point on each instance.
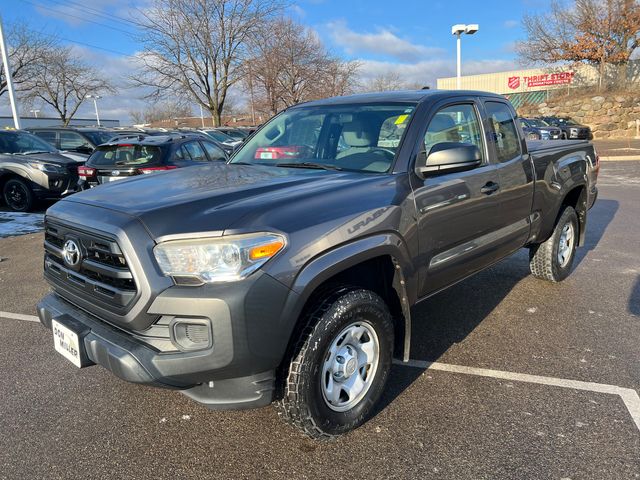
(288, 274)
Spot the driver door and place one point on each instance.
(458, 213)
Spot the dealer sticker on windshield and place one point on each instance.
(66, 343)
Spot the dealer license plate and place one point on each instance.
(66, 343)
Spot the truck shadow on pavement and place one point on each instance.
(447, 318)
(634, 299)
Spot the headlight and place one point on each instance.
(47, 167)
(220, 259)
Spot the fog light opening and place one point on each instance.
(191, 334)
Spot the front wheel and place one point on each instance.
(18, 195)
(552, 260)
(341, 365)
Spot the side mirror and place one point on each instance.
(447, 157)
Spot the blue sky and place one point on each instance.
(411, 37)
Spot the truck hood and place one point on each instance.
(210, 198)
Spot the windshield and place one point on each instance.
(219, 136)
(236, 134)
(535, 122)
(359, 137)
(23, 143)
(98, 138)
(125, 155)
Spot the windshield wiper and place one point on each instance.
(33, 152)
(318, 166)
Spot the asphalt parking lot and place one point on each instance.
(531, 380)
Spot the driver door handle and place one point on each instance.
(489, 188)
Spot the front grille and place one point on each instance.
(102, 275)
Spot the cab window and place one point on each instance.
(505, 133)
(457, 124)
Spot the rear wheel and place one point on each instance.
(552, 260)
(340, 367)
(18, 195)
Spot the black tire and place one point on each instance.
(544, 260)
(303, 404)
(18, 195)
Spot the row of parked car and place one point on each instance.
(554, 128)
(49, 163)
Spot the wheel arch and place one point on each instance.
(577, 199)
(379, 263)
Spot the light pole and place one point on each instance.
(95, 105)
(458, 30)
(35, 112)
(9, 80)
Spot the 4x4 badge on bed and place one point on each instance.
(71, 253)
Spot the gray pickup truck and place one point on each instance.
(288, 274)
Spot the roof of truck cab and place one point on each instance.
(408, 96)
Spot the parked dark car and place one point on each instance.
(128, 157)
(31, 169)
(536, 129)
(288, 274)
(83, 140)
(571, 130)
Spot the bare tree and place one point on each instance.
(27, 49)
(62, 81)
(597, 32)
(339, 78)
(388, 81)
(197, 47)
(289, 64)
(166, 110)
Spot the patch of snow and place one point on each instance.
(15, 223)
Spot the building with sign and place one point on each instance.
(530, 85)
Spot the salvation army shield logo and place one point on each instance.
(514, 82)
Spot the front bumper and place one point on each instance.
(236, 371)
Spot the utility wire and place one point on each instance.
(77, 17)
(98, 13)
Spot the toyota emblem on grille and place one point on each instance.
(115, 173)
(71, 253)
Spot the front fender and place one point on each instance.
(17, 169)
(341, 258)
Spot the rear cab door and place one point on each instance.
(459, 214)
(515, 172)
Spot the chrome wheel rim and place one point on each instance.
(349, 366)
(565, 244)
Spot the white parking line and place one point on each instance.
(19, 316)
(629, 396)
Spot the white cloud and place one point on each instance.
(426, 72)
(383, 41)
(511, 23)
(298, 11)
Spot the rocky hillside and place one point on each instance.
(609, 116)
